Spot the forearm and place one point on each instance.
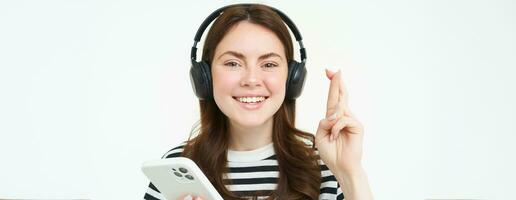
(354, 184)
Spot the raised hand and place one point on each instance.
(339, 136)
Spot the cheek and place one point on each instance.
(276, 84)
(223, 82)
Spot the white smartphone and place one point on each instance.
(177, 177)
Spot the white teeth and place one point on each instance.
(250, 99)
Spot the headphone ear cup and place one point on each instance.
(295, 79)
(200, 78)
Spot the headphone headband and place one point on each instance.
(218, 12)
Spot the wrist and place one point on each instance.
(354, 184)
(356, 170)
(348, 169)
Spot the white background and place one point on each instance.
(91, 89)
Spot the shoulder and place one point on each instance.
(175, 152)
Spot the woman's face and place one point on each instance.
(249, 72)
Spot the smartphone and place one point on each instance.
(179, 176)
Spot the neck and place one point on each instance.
(243, 138)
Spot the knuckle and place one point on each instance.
(334, 129)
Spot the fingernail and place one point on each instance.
(189, 197)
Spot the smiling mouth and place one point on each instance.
(251, 100)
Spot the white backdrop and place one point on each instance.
(91, 89)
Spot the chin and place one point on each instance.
(250, 121)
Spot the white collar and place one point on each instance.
(252, 155)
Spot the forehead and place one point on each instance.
(250, 39)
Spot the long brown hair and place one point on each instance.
(209, 148)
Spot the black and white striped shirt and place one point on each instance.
(256, 170)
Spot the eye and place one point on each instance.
(270, 65)
(231, 64)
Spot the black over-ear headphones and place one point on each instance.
(200, 72)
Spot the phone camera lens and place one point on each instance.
(178, 174)
(183, 170)
(189, 177)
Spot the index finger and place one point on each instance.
(333, 94)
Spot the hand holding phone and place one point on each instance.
(176, 178)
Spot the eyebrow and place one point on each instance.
(241, 56)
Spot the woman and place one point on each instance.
(247, 144)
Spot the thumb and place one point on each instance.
(327, 123)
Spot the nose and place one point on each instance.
(251, 78)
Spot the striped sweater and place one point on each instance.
(256, 171)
